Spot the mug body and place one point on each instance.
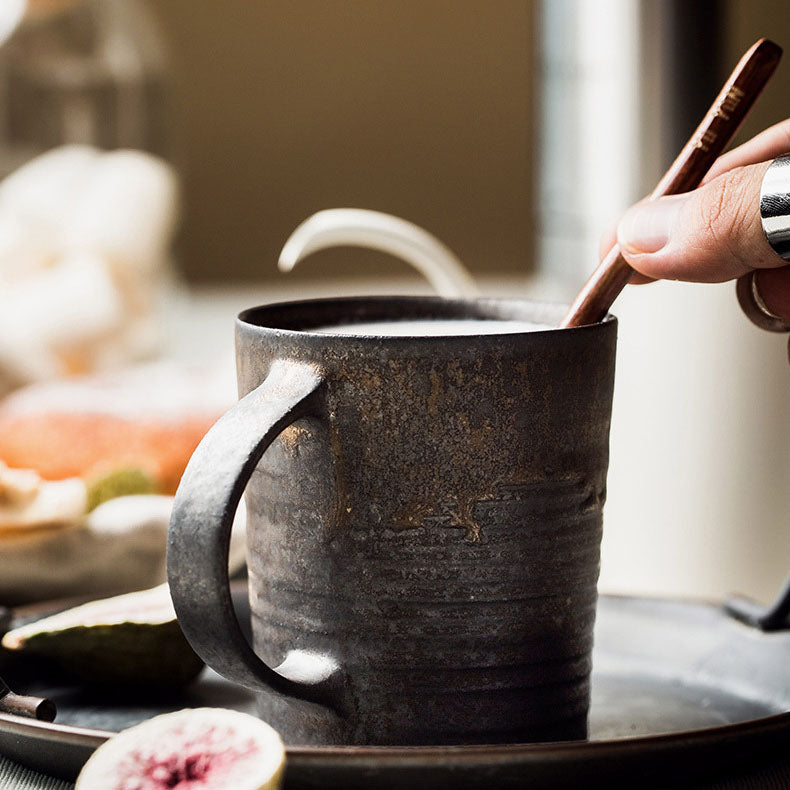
(434, 524)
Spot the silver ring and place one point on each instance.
(775, 205)
(755, 309)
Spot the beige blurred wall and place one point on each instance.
(748, 20)
(286, 108)
(421, 109)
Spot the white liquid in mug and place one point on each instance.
(432, 327)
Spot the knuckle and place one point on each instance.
(783, 127)
(727, 212)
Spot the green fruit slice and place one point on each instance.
(209, 748)
(119, 482)
(131, 640)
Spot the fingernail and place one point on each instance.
(647, 227)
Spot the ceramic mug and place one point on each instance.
(424, 522)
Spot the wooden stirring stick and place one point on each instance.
(700, 152)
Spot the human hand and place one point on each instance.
(714, 232)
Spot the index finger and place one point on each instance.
(770, 143)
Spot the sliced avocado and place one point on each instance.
(125, 481)
(128, 640)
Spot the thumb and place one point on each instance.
(711, 234)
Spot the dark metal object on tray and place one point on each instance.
(775, 617)
(423, 533)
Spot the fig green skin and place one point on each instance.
(129, 654)
(119, 482)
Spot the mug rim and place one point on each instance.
(297, 318)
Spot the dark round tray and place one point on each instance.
(682, 694)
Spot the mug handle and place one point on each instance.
(199, 534)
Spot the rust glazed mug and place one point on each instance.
(424, 520)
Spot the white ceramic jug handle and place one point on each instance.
(364, 228)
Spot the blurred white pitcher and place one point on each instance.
(355, 227)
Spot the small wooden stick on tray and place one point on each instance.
(687, 171)
(21, 705)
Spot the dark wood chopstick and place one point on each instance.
(39, 708)
(687, 171)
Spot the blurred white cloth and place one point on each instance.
(85, 241)
(118, 547)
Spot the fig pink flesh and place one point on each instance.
(192, 763)
(191, 749)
